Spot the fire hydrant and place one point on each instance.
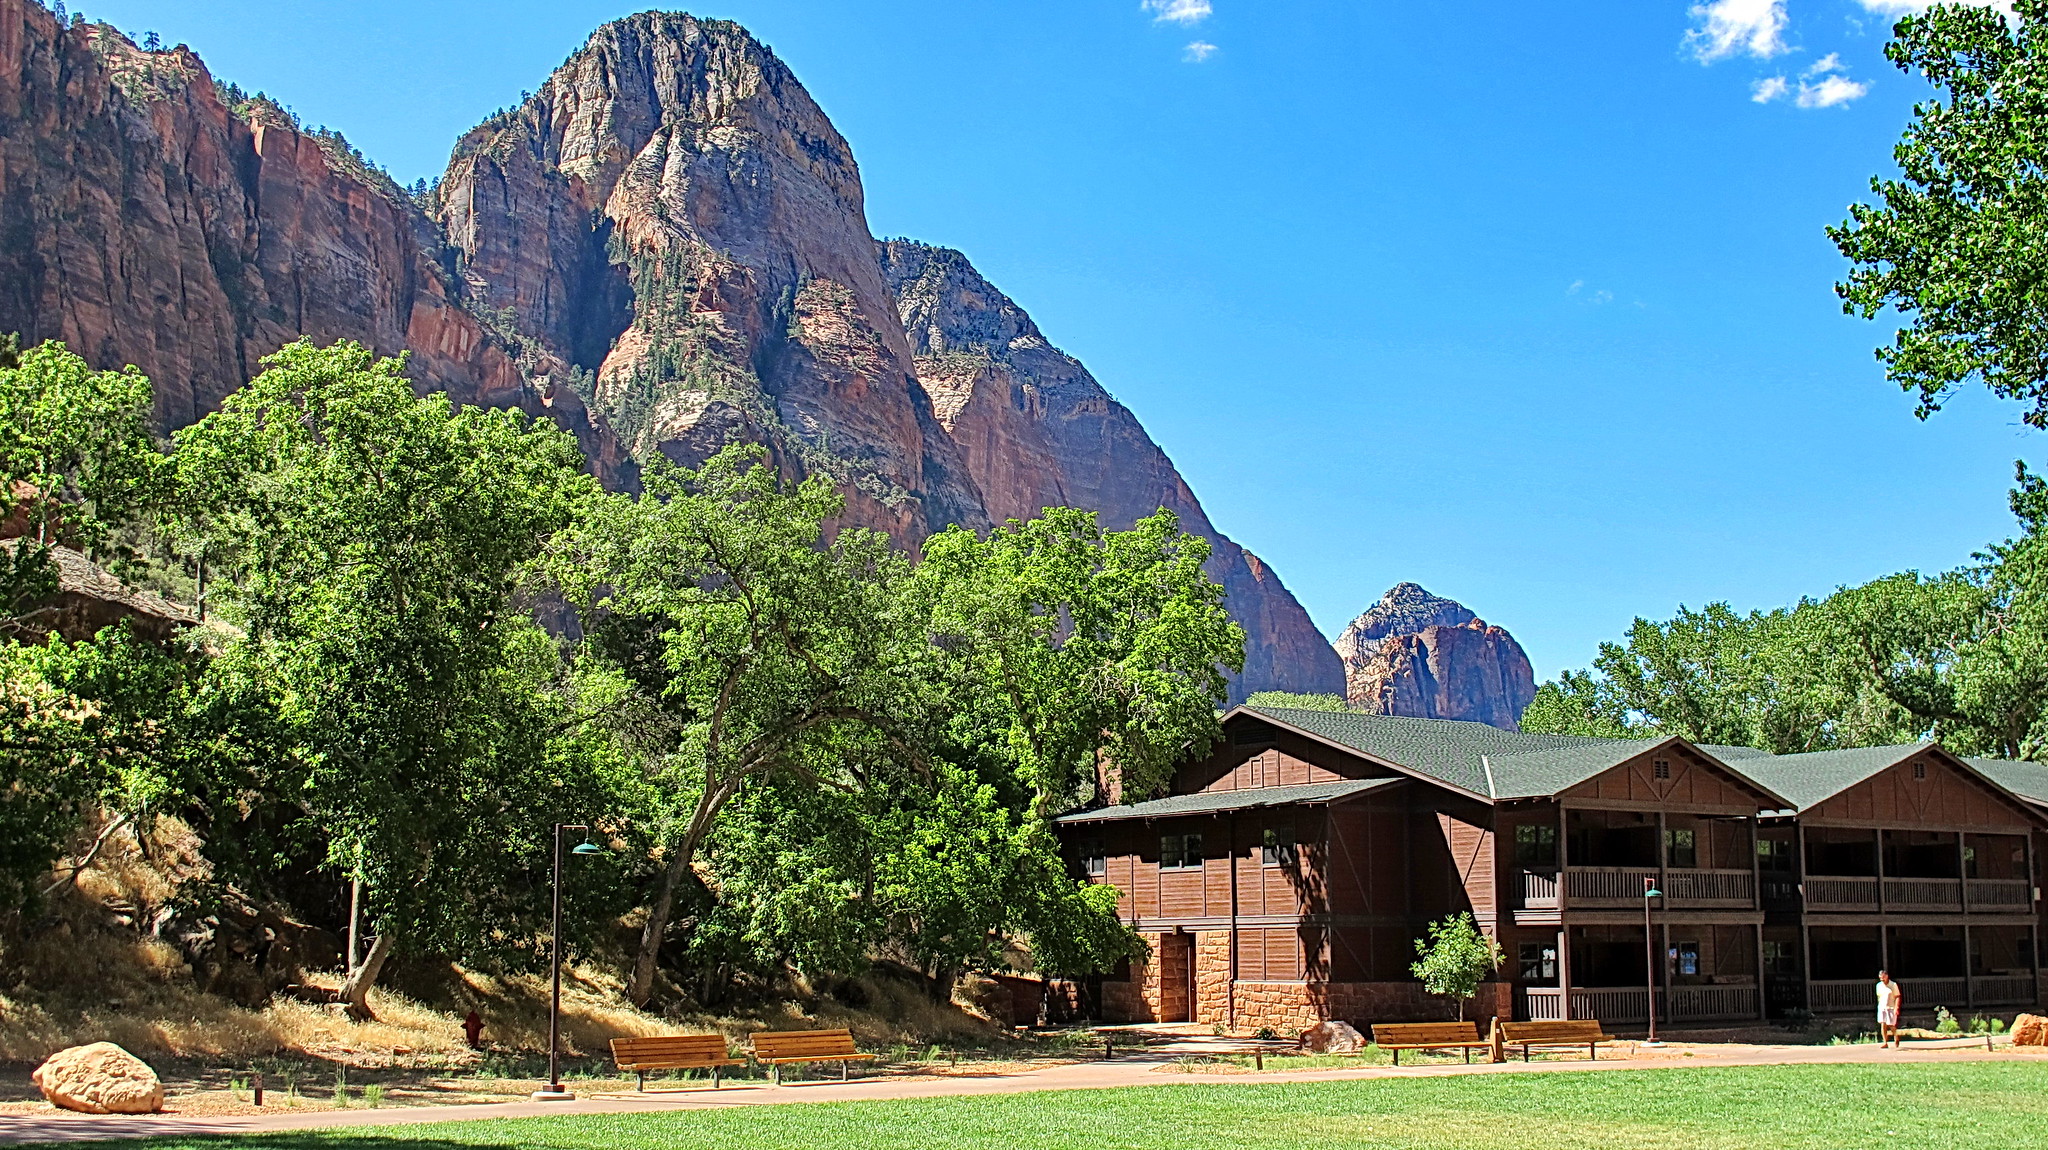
(473, 1027)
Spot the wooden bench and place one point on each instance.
(674, 1052)
(1399, 1036)
(779, 1047)
(1584, 1032)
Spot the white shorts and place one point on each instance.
(1887, 1016)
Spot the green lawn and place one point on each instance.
(1976, 1105)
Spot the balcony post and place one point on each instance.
(1969, 975)
(1963, 891)
(1763, 1005)
(1563, 864)
(1879, 833)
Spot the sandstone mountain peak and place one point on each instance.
(664, 248)
(1414, 653)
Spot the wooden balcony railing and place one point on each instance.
(1690, 887)
(1539, 890)
(1628, 1004)
(2003, 989)
(1923, 894)
(1836, 996)
(1928, 993)
(1999, 893)
(1842, 894)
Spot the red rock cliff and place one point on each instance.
(665, 249)
(1036, 430)
(1419, 654)
(144, 221)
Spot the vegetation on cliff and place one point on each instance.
(432, 636)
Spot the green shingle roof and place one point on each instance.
(2027, 780)
(1524, 765)
(1459, 753)
(1211, 802)
(1813, 778)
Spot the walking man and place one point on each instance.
(1889, 1001)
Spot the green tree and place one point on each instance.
(1073, 647)
(1956, 242)
(1287, 700)
(376, 541)
(76, 461)
(754, 648)
(1454, 958)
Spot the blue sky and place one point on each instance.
(1530, 304)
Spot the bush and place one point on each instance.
(1945, 1022)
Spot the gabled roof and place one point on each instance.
(1814, 777)
(1442, 750)
(2026, 779)
(1211, 802)
(1537, 774)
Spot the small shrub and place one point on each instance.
(373, 1095)
(1945, 1022)
(1264, 1034)
(1798, 1020)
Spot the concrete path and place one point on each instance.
(1135, 1069)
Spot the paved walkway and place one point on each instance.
(1136, 1069)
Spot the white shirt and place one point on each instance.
(1886, 993)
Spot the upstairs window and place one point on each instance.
(1536, 845)
(1278, 849)
(1919, 770)
(1681, 849)
(1662, 768)
(1180, 852)
(1774, 856)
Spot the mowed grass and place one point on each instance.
(1925, 1106)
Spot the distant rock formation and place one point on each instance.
(1414, 653)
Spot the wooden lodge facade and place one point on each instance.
(1284, 879)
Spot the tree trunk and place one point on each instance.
(641, 988)
(356, 991)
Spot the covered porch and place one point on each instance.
(1707, 973)
(1956, 965)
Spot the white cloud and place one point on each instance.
(1179, 11)
(1832, 62)
(1830, 91)
(1764, 91)
(1198, 51)
(1731, 27)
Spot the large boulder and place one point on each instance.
(100, 1079)
(2030, 1030)
(1332, 1038)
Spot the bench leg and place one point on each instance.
(844, 1071)
(643, 1081)
(1593, 1051)
(1525, 1054)
(1397, 1058)
(1468, 1056)
(776, 1070)
(716, 1074)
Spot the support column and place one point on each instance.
(1763, 986)
(1564, 971)
(1878, 834)
(1664, 962)
(1969, 975)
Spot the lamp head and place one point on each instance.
(1651, 892)
(586, 847)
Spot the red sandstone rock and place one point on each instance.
(1332, 1038)
(2030, 1030)
(1422, 655)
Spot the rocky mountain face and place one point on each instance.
(1036, 430)
(144, 220)
(1414, 653)
(665, 249)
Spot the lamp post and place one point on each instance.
(1650, 891)
(554, 1091)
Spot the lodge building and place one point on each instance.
(1285, 877)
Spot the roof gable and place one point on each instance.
(1920, 783)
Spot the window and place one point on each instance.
(1685, 957)
(1681, 849)
(1780, 958)
(1919, 770)
(1094, 857)
(1278, 849)
(1179, 852)
(1536, 845)
(1774, 856)
(1662, 768)
(1538, 961)
(1969, 862)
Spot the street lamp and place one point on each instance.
(554, 1091)
(1650, 891)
